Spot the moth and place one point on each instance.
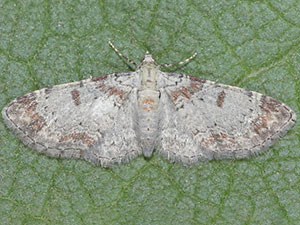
(113, 118)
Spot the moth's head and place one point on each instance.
(148, 59)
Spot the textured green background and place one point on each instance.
(251, 44)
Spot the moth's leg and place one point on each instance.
(121, 55)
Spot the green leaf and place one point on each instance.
(250, 44)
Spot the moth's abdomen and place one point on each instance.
(148, 117)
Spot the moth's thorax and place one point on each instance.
(148, 73)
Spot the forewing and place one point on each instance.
(204, 120)
(90, 119)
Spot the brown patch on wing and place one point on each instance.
(26, 116)
(274, 115)
(188, 91)
(194, 87)
(26, 100)
(111, 90)
(37, 122)
(104, 77)
(83, 137)
(75, 97)
(220, 139)
(270, 104)
(101, 86)
(201, 80)
(115, 91)
(181, 92)
(260, 124)
(220, 99)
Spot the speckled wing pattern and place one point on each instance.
(204, 120)
(90, 119)
(113, 118)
